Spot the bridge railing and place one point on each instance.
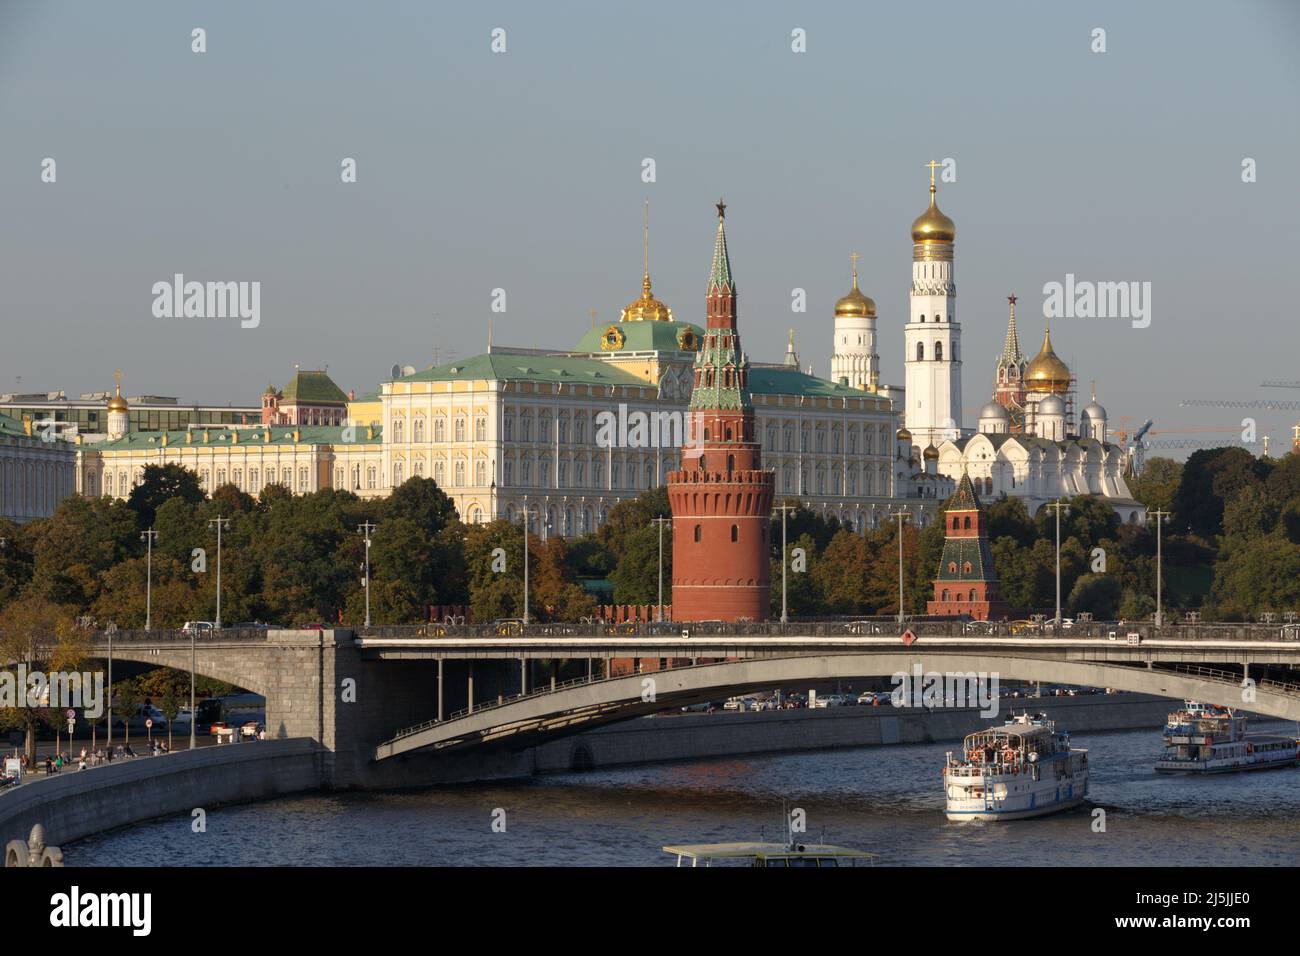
(842, 628)
(540, 691)
(865, 627)
(1229, 677)
(249, 635)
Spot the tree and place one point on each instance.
(630, 516)
(41, 634)
(1158, 484)
(1097, 593)
(160, 484)
(840, 574)
(170, 705)
(421, 500)
(126, 703)
(1210, 477)
(636, 577)
(803, 599)
(559, 595)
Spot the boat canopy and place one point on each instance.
(776, 852)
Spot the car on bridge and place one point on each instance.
(198, 627)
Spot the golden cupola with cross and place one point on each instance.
(854, 360)
(646, 308)
(119, 412)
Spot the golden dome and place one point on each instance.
(855, 304)
(646, 308)
(903, 435)
(1047, 373)
(932, 225)
(117, 403)
(931, 453)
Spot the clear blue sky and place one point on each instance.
(522, 171)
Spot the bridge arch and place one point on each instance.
(539, 717)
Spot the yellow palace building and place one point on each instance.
(572, 432)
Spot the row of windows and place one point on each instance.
(938, 351)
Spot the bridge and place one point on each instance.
(436, 694)
(1167, 667)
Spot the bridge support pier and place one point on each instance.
(470, 687)
(440, 686)
(523, 675)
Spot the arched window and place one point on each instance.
(920, 351)
(945, 594)
(966, 523)
(735, 533)
(697, 534)
(972, 595)
(952, 567)
(966, 567)
(938, 351)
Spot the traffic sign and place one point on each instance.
(148, 723)
(69, 713)
(908, 637)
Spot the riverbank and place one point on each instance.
(77, 803)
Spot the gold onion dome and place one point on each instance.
(117, 403)
(932, 225)
(855, 304)
(903, 435)
(1047, 373)
(931, 453)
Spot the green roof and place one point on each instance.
(513, 366)
(720, 272)
(313, 387)
(280, 435)
(766, 380)
(11, 426)
(643, 336)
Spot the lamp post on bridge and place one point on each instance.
(902, 515)
(661, 521)
(221, 524)
(1159, 516)
(1057, 506)
(365, 528)
(148, 537)
(785, 560)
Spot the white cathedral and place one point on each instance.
(1027, 444)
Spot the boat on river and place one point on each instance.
(1025, 768)
(1204, 738)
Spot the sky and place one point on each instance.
(522, 170)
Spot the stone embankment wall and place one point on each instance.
(77, 803)
(728, 734)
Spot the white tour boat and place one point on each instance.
(1022, 769)
(1204, 738)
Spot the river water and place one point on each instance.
(885, 799)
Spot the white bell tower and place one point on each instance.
(933, 334)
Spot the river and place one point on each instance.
(885, 799)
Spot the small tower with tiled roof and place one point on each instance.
(967, 584)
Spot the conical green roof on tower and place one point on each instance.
(720, 274)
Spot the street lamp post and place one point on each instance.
(784, 509)
(221, 523)
(661, 521)
(1159, 516)
(527, 521)
(365, 528)
(902, 515)
(148, 536)
(1056, 506)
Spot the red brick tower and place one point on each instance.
(967, 583)
(721, 498)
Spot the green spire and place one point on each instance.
(720, 275)
(1011, 354)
